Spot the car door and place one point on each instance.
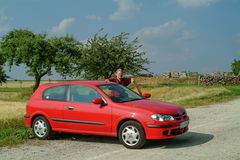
(52, 103)
(81, 115)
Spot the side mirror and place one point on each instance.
(98, 101)
(146, 95)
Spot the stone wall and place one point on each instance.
(220, 79)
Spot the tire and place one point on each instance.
(131, 134)
(41, 128)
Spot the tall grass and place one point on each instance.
(13, 131)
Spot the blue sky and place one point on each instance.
(177, 35)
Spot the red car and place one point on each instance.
(103, 108)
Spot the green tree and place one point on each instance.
(68, 55)
(3, 76)
(102, 56)
(236, 67)
(38, 53)
(33, 50)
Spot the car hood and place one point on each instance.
(156, 106)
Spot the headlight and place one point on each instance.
(162, 117)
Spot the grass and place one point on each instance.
(192, 95)
(22, 84)
(229, 93)
(13, 131)
(11, 109)
(188, 94)
(15, 94)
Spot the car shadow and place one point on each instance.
(188, 139)
(85, 138)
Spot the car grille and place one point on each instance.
(180, 116)
(178, 131)
(175, 132)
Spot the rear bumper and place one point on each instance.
(27, 120)
(26, 115)
(166, 130)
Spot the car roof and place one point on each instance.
(83, 82)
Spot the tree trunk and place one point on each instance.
(38, 78)
(37, 83)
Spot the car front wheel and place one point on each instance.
(131, 134)
(41, 128)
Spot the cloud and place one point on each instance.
(126, 9)
(195, 3)
(94, 17)
(166, 44)
(4, 27)
(63, 25)
(169, 31)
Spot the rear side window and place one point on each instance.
(84, 94)
(55, 93)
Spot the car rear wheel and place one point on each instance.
(41, 128)
(131, 134)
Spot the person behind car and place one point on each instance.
(125, 81)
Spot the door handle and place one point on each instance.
(70, 108)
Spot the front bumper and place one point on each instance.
(166, 130)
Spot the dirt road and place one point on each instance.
(214, 135)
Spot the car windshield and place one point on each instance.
(118, 93)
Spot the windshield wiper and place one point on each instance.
(131, 100)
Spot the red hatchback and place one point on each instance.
(103, 108)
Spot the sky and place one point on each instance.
(177, 35)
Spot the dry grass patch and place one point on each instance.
(8, 96)
(11, 109)
(22, 84)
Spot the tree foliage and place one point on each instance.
(102, 56)
(236, 67)
(98, 58)
(3, 76)
(68, 53)
(38, 53)
(33, 50)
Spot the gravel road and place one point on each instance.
(214, 135)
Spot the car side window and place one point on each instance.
(82, 93)
(55, 93)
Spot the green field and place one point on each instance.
(14, 96)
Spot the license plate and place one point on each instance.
(184, 124)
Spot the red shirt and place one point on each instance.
(123, 81)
